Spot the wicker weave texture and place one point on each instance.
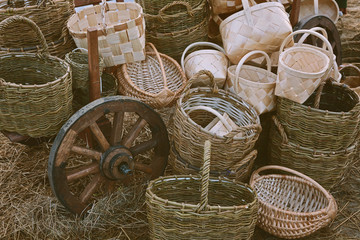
(260, 27)
(35, 89)
(186, 207)
(335, 126)
(353, 81)
(327, 8)
(189, 133)
(121, 32)
(154, 6)
(255, 85)
(225, 6)
(325, 167)
(291, 206)
(213, 60)
(157, 81)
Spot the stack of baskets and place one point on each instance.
(173, 25)
(230, 123)
(50, 16)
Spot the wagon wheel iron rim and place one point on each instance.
(78, 172)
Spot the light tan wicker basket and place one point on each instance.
(327, 8)
(200, 207)
(353, 81)
(121, 30)
(291, 206)
(157, 81)
(212, 60)
(255, 85)
(263, 27)
(225, 6)
(302, 68)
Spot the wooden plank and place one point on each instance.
(94, 73)
(295, 11)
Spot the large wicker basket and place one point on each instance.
(193, 115)
(157, 81)
(191, 207)
(291, 206)
(35, 89)
(121, 30)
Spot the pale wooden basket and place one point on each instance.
(255, 85)
(225, 6)
(327, 8)
(213, 60)
(121, 31)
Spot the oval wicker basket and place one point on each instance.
(35, 89)
(291, 206)
(157, 81)
(353, 81)
(192, 207)
(190, 133)
(254, 84)
(326, 167)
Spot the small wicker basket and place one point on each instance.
(290, 206)
(157, 81)
(192, 207)
(353, 81)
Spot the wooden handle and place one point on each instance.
(205, 177)
(281, 129)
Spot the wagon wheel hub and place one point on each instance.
(117, 163)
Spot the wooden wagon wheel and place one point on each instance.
(329, 26)
(78, 174)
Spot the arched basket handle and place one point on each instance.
(81, 49)
(20, 19)
(347, 66)
(176, 3)
(205, 177)
(215, 88)
(280, 129)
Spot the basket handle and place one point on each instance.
(205, 177)
(213, 111)
(208, 44)
(281, 129)
(332, 207)
(247, 11)
(236, 131)
(176, 3)
(348, 65)
(197, 75)
(80, 48)
(160, 62)
(17, 18)
(316, 7)
(217, 19)
(245, 58)
(315, 29)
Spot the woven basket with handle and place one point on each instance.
(200, 207)
(291, 205)
(154, 6)
(327, 8)
(225, 6)
(302, 68)
(255, 85)
(121, 30)
(353, 81)
(213, 60)
(157, 81)
(262, 26)
(197, 108)
(326, 167)
(35, 89)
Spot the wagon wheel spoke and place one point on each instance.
(143, 168)
(90, 153)
(99, 136)
(91, 188)
(82, 171)
(134, 132)
(117, 128)
(144, 146)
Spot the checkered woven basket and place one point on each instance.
(255, 85)
(225, 6)
(121, 31)
(263, 27)
(327, 8)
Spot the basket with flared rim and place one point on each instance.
(326, 167)
(291, 205)
(327, 8)
(302, 68)
(197, 108)
(35, 89)
(353, 81)
(253, 84)
(200, 207)
(157, 81)
(213, 60)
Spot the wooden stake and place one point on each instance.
(94, 73)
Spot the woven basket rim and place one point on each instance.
(126, 75)
(103, 30)
(210, 90)
(204, 51)
(294, 72)
(336, 10)
(26, 8)
(64, 64)
(231, 71)
(254, 8)
(180, 206)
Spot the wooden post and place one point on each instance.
(93, 58)
(295, 10)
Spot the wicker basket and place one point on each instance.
(353, 81)
(212, 60)
(154, 6)
(35, 89)
(255, 85)
(50, 17)
(192, 207)
(264, 26)
(157, 81)
(332, 127)
(189, 133)
(327, 8)
(326, 167)
(121, 31)
(302, 68)
(291, 206)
